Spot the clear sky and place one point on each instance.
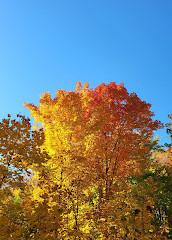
(47, 45)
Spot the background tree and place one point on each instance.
(20, 156)
(169, 130)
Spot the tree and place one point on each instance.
(169, 130)
(20, 156)
(19, 150)
(96, 140)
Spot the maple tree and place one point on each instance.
(20, 155)
(19, 149)
(95, 139)
(91, 156)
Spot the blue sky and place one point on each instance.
(49, 45)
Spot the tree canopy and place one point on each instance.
(88, 170)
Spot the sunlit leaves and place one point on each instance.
(95, 137)
(99, 179)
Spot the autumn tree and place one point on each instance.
(19, 150)
(96, 140)
(88, 170)
(20, 156)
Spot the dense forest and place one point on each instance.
(89, 168)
